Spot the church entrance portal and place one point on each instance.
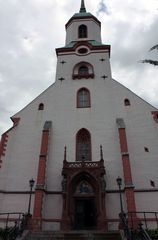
(83, 188)
(85, 216)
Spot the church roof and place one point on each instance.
(92, 42)
(82, 15)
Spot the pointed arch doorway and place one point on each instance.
(83, 196)
(84, 206)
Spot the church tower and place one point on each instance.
(76, 138)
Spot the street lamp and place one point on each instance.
(119, 183)
(31, 184)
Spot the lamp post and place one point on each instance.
(31, 184)
(119, 183)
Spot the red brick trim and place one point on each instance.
(129, 189)
(3, 145)
(40, 187)
(15, 121)
(4, 139)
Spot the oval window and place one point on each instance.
(83, 50)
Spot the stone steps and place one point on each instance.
(79, 235)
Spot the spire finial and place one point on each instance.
(82, 9)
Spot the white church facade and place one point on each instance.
(76, 138)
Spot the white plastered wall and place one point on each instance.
(107, 104)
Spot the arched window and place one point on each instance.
(127, 102)
(83, 98)
(82, 31)
(83, 145)
(41, 106)
(83, 70)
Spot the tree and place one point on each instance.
(153, 62)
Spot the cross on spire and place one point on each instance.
(82, 9)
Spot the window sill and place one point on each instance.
(77, 76)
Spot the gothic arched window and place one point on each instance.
(83, 98)
(83, 145)
(82, 31)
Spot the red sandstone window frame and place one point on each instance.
(80, 104)
(84, 133)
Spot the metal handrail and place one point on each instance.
(143, 233)
(20, 223)
(144, 217)
(132, 224)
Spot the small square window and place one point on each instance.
(152, 183)
(146, 149)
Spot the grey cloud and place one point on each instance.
(32, 29)
(102, 8)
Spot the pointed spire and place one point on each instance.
(65, 152)
(101, 153)
(82, 9)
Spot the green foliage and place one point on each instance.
(153, 62)
(7, 234)
(154, 47)
(153, 234)
(150, 61)
(4, 233)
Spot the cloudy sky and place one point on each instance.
(30, 30)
